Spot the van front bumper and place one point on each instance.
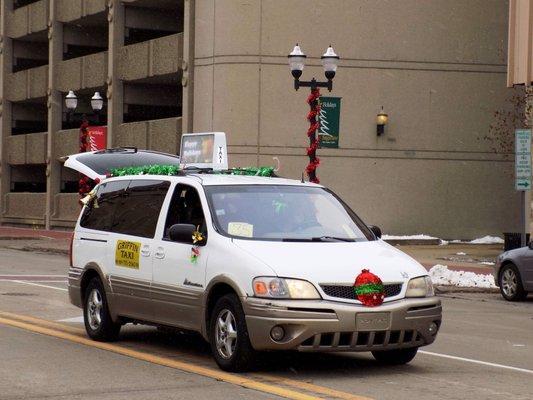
(323, 325)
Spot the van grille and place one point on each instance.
(348, 291)
(362, 341)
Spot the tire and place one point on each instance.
(228, 335)
(510, 283)
(395, 357)
(96, 316)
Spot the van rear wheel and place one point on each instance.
(395, 357)
(96, 316)
(228, 335)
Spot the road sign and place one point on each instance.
(523, 159)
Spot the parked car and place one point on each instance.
(252, 263)
(513, 273)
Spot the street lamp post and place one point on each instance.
(330, 61)
(85, 184)
(71, 103)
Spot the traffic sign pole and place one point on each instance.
(523, 174)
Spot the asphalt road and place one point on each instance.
(484, 351)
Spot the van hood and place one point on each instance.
(334, 262)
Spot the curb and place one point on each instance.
(62, 252)
(413, 242)
(443, 289)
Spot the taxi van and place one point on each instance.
(252, 263)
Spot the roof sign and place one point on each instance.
(204, 150)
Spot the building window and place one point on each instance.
(29, 116)
(152, 98)
(22, 3)
(28, 178)
(146, 23)
(85, 36)
(30, 51)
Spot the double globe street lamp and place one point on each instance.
(71, 103)
(330, 61)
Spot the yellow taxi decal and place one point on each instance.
(127, 254)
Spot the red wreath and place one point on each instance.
(369, 289)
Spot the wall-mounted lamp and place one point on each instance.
(381, 120)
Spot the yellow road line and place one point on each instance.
(43, 322)
(311, 387)
(183, 366)
(322, 390)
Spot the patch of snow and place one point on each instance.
(444, 243)
(488, 240)
(456, 241)
(487, 263)
(408, 237)
(441, 275)
(461, 253)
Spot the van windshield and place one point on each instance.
(285, 213)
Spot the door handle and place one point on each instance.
(160, 253)
(145, 251)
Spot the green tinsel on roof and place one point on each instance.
(146, 170)
(253, 171)
(174, 170)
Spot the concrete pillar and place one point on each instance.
(55, 109)
(187, 80)
(6, 53)
(115, 88)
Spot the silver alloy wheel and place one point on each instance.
(509, 282)
(226, 333)
(94, 309)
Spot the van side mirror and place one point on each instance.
(181, 233)
(376, 231)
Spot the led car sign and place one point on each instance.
(204, 150)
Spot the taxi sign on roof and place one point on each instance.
(204, 150)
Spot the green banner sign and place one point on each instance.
(330, 112)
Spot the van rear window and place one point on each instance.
(104, 162)
(129, 207)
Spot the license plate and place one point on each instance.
(372, 321)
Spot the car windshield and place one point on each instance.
(282, 212)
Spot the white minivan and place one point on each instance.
(252, 263)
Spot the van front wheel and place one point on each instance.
(228, 335)
(98, 322)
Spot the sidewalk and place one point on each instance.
(40, 240)
(457, 256)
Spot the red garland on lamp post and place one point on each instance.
(84, 184)
(314, 103)
(330, 61)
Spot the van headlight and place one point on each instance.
(420, 287)
(282, 288)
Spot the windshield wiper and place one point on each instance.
(319, 239)
(331, 238)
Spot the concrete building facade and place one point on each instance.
(443, 167)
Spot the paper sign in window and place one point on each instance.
(242, 229)
(127, 254)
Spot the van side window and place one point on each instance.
(185, 208)
(139, 209)
(99, 213)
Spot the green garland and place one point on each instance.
(146, 170)
(174, 170)
(253, 171)
(369, 288)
